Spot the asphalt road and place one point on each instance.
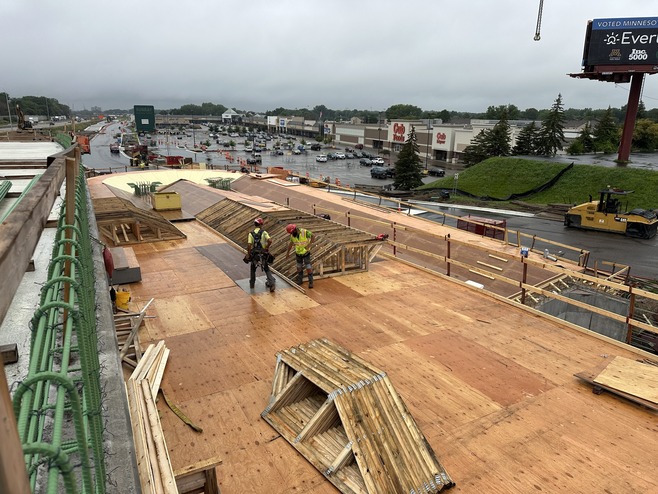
(603, 247)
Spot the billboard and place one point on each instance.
(144, 118)
(625, 41)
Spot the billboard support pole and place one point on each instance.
(631, 115)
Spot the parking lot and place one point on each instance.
(341, 165)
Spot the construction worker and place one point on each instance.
(258, 252)
(301, 239)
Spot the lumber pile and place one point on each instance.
(155, 472)
(344, 416)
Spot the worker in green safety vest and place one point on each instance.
(301, 239)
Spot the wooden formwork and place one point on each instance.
(121, 222)
(337, 249)
(344, 416)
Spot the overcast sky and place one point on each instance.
(259, 55)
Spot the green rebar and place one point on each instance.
(54, 388)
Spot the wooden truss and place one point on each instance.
(344, 416)
(337, 249)
(121, 222)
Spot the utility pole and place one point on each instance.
(8, 110)
(429, 142)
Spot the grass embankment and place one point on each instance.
(501, 177)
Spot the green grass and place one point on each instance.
(501, 177)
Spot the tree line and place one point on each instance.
(545, 136)
(32, 105)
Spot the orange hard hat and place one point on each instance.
(258, 221)
(291, 228)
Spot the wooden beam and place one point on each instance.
(13, 476)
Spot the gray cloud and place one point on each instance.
(259, 55)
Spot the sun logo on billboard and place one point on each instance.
(611, 39)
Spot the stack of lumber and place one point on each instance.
(344, 416)
(155, 472)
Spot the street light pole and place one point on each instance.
(429, 142)
(379, 139)
(8, 110)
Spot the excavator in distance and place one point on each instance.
(605, 215)
(22, 123)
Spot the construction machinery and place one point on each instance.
(605, 215)
(22, 123)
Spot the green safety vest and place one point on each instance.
(301, 242)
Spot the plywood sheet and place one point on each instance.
(631, 377)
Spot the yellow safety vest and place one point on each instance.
(301, 241)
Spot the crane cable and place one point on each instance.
(541, 8)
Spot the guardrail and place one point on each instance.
(440, 254)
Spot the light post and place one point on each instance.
(429, 142)
(379, 139)
(8, 110)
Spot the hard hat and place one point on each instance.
(258, 221)
(291, 228)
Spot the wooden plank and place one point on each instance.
(157, 378)
(13, 476)
(162, 454)
(9, 353)
(135, 328)
(631, 377)
(146, 476)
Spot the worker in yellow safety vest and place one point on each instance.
(301, 239)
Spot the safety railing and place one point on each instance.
(58, 405)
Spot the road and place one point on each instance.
(603, 247)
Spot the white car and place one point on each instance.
(321, 158)
(377, 161)
(340, 156)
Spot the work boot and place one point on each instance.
(272, 287)
(310, 280)
(300, 278)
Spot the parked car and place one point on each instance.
(316, 146)
(339, 155)
(321, 158)
(379, 172)
(365, 162)
(359, 146)
(378, 160)
(436, 172)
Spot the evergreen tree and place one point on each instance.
(526, 143)
(476, 150)
(498, 138)
(489, 142)
(551, 134)
(584, 143)
(409, 166)
(606, 133)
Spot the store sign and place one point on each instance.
(441, 138)
(282, 122)
(630, 41)
(399, 132)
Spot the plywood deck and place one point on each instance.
(491, 386)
